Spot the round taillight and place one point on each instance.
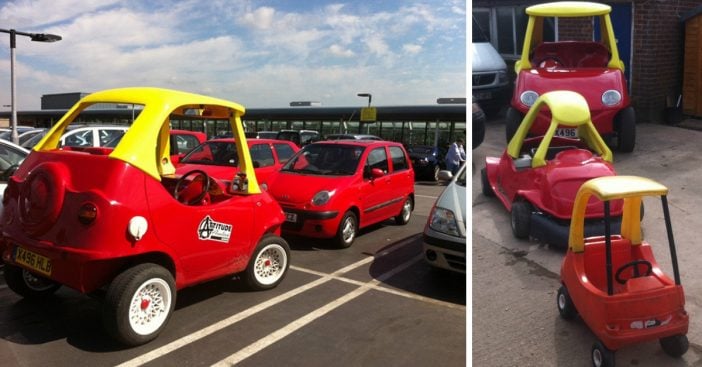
(87, 213)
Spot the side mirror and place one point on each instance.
(376, 173)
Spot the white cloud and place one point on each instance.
(340, 51)
(411, 48)
(261, 18)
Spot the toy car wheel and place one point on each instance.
(138, 304)
(675, 346)
(485, 183)
(406, 213)
(625, 127)
(268, 264)
(521, 219)
(28, 284)
(565, 304)
(347, 230)
(601, 356)
(512, 120)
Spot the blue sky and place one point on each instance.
(257, 53)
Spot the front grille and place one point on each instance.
(456, 262)
(483, 79)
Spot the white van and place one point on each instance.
(490, 80)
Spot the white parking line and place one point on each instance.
(426, 196)
(262, 343)
(170, 347)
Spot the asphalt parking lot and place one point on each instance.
(515, 321)
(374, 304)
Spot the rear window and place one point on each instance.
(262, 155)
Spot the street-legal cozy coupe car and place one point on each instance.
(333, 188)
(591, 68)
(120, 224)
(537, 178)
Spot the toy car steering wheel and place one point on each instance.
(550, 62)
(183, 185)
(635, 264)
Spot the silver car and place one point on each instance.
(445, 232)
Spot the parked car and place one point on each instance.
(590, 68)
(121, 225)
(445, 232)
(427, 161)
(299, 137)
(181, 142)
(536, 178)
(219, 158)
(352, 137)
(81, 135)
(7, 134)
(331, 189)
(490, 86)
(11, 156)
(259, 135)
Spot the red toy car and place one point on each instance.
(120, 222)
(330, 189)
(644, 303)
(219, 158)
(536, 178)
(591, 68)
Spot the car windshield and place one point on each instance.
(326, 159)
(214, 153)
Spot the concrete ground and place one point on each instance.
(515, 321)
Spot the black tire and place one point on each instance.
(521, 219)
(512, 120)
(625, 127)
(28, 284)
(348, 228)
(601, 356)
(485, 183)
(149, 286)
(269, 263)
(478, 132)
(675, 346)
(565, 304)
(405, 213)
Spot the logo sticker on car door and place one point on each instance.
(212, 230)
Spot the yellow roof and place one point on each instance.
(152, 125)
(568, 9)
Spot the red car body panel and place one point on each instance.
(589, 82)
(86, 257)
(373, 199)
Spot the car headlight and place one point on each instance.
(322, 197)
(528, 97)
(444, 221)
(611, 97)
(502, 77)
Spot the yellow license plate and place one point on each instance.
(40, 264)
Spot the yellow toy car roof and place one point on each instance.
(568, 108)
(629, 188)
(568, 9)
(153, 125)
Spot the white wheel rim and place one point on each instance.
(150, 306)
(406, 211)
(597, 357)
(270, 264)
(34, 282)
(561, 301)
(349, 230)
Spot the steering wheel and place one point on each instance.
(184, 184)
(635, 264)
(550, 62)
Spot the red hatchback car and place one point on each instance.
(331, 189)
(219, 158)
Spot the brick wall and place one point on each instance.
(657, 41)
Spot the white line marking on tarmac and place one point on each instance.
(262, 343)
(170, 347)
(426, 196)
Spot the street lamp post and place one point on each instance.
(37, 37)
